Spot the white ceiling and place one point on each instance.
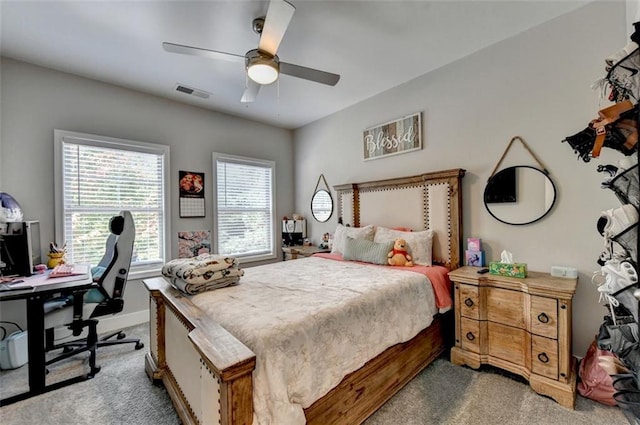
(373, 45)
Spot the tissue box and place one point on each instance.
(506, 269)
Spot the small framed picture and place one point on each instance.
(474, 258)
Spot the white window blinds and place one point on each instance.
(99, 179)
(244, 207)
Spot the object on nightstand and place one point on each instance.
(474, 258)
(473, 244)
(562, 271)
(474, 255)
(506, 266)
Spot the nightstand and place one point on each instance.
(300, 251)
(519, 325)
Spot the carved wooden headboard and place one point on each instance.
(426, 201)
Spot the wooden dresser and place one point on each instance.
(519, 325)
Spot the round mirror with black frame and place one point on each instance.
(519, 195)
(322, 205)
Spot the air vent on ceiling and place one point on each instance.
(191, 91)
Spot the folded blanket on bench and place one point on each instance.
(202, 273)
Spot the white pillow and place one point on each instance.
(341, 233)
(419, 243)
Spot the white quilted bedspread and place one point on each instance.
(312, 321)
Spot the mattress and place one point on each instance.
(312, 321)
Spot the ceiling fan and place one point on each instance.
(262, 64)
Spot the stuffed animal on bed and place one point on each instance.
(399, 256)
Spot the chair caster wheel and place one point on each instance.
(139, 345)
(93, 372)
(121, 336)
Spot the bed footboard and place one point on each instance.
(205, 369)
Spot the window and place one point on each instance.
(244, 194)
(95, 178)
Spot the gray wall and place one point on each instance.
(535, 85)
(37, 100)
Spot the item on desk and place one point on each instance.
(55, 259)
(56, 255)
(62, 269)
(40, 268)
(9, 279)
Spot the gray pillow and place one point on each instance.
(367, 251)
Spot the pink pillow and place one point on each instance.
(402, 229)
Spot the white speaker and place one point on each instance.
(563, 271)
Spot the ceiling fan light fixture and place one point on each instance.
(261, 68)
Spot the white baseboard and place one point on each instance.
(119, 321)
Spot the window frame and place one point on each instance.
(271, 165)
(60, 136)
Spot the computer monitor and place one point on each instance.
(20, 248)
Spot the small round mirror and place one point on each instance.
(519, 195)
(321, 205)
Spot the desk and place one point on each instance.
(35, 298)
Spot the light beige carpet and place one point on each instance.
(442, 394)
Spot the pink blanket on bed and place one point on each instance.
(437, 275)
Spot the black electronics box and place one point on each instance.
(20, 248)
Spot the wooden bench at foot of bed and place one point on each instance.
(207, 371)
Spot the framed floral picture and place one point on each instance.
(192, 244)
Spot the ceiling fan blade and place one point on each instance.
(251, 91)
(309, 74)
(276, 22)
(197, 51)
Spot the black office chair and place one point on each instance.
(111, 275)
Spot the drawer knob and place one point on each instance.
(470, 336)
(543, 358)
(468, 302)
(543, 318)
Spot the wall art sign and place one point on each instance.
(191, 194)
(393, 137)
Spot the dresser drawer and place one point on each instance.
(544, 357)
(506, 307)
(469, 301)
(508, 343)
(544, 317)
(470, 335)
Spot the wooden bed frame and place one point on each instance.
(207, 371)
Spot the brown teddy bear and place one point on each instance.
(399, 256)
